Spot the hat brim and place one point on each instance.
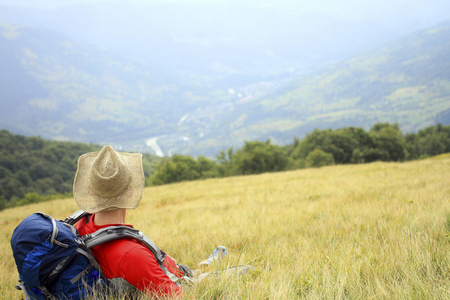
(92, 203)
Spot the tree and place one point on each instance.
(4, 172)
(40, 170)
(290, 148)
(10, 187)
(411, 146)
(258, 157)
(3, 202)
(315, 140)
(430, 141)
(206, 167)
(224, 161)
(433, 140)
(35, 143)
(30, 198)
(346, 145)
(23, 177)
(389, 142)
(178, 168)
(319, 158)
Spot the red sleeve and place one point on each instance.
(145, 273)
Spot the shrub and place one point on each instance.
(319, 158)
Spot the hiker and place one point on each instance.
(106, 184)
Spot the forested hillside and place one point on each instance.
(56, 88)
(407, 81)
(31, 167)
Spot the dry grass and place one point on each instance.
(374, 231)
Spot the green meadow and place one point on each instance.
(367, 231)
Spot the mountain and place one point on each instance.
(405, 81)
(55, 87)
(229, 40)
(217, 39)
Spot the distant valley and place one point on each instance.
(56, 88)
(406, 81)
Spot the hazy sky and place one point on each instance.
(423, 12)
(350, 7)
(278, 27)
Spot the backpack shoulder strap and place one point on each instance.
(112, 233)
(76, 216)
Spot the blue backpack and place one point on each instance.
(55, 262)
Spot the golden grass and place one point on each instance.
(374, 231)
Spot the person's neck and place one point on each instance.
(116, 216)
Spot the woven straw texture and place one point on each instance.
(108, 180)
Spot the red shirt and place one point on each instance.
(130, 260)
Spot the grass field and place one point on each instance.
(373, 231)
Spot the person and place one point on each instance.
(107, 184)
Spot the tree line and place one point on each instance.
(33, 169)
(350, 145)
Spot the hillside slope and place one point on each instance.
(406, 81)
(56, 88)
(377, 230)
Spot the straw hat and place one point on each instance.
(108, 180)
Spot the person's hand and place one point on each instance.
(185, 269)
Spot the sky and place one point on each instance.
(268, 24)
(353, 8)
(424, 12)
